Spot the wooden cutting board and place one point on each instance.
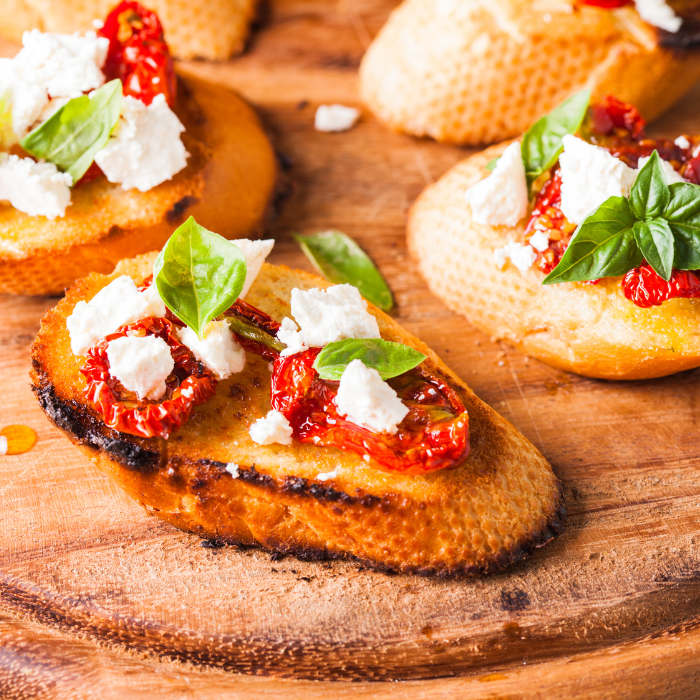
(612, 606)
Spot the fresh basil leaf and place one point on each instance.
(683, 215)
(248, 330)
(650, 195)
(199, 274)
(655, 240)
(341, 261)
(603, 246)
(389, 359)
(491, 165)
(541, 144)
(70, 138)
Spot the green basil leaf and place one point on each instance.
(683, 215)
(70, 138)
(541, 144)
(655, 240)
(341, 261)
(603, 246)
(491, 165)
(199, 274)
(650, 195)
(389, 359)
(248, 330)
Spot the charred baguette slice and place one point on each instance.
(473, 72)
(588, 329)
(490, 512)
(229, 153)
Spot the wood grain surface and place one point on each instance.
(99, 599)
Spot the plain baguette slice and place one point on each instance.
(228, 185)
(477, 72)
(590, 329)
(486, 514)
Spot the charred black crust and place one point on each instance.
(175, 215)
(687, 38)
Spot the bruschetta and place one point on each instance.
(213, 29)
(580, 247)
(103, 150)
(473, 72)
(340, 437)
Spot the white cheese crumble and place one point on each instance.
(141, 364)
(659, 14)
(521, 255)
(118, 303)
(502, 198)
(3, 445)
(325, 476)
(255, 253)
(365, 399)
(539, 241)
(273, 428)
(37, 189)
(218, 350)
(144, 149)
(672, 175)
(326, 315)
(336, 118)
(232, 469)
(590, 175)
(682, 142)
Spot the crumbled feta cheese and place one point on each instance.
(672, 175)
(141, 364)
(3, 445)
(325, 476)
(590, 176)
(336, 118)
(274, 427)
(682, 142)
(232, 469)
(22, 102)
(539, 241)
(326, 315)
(365, 399)
(37, 189)
(144, 149)
(218, 351)
(255, 253)
(97, 23)
(119, 303)
(522, 256)
(67, 65)
(659, 14)
(501, 198)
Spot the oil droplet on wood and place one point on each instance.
(18, 439)
(493, 677)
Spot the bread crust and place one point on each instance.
(588, 329)
(213, 29)
(229, 153)
(486, 514)
(477, 72)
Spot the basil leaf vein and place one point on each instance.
(650, 195)
(72, 136)
(341, 261)
(389, 359)
(199, 274)
(655, 240)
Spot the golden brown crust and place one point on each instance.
(471, 72)
(588, 329)
(213, 29)
(105, 224)
(490, 512)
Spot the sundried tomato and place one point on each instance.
(434, 435)
(644, 287)
(609, 113)
(190, 384)
(607, 4)
(138, 54)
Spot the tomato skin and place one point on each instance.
(607, 4)
(434, 435)
(138, 54)
(645, 288)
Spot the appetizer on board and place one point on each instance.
(213, 29)
(103, 151)
(333, 434)
(474, 72)
(581, 247)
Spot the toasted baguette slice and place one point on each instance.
(227, 185)
(213, 29)
(588, 329)
(486, 514)
(473, 72)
